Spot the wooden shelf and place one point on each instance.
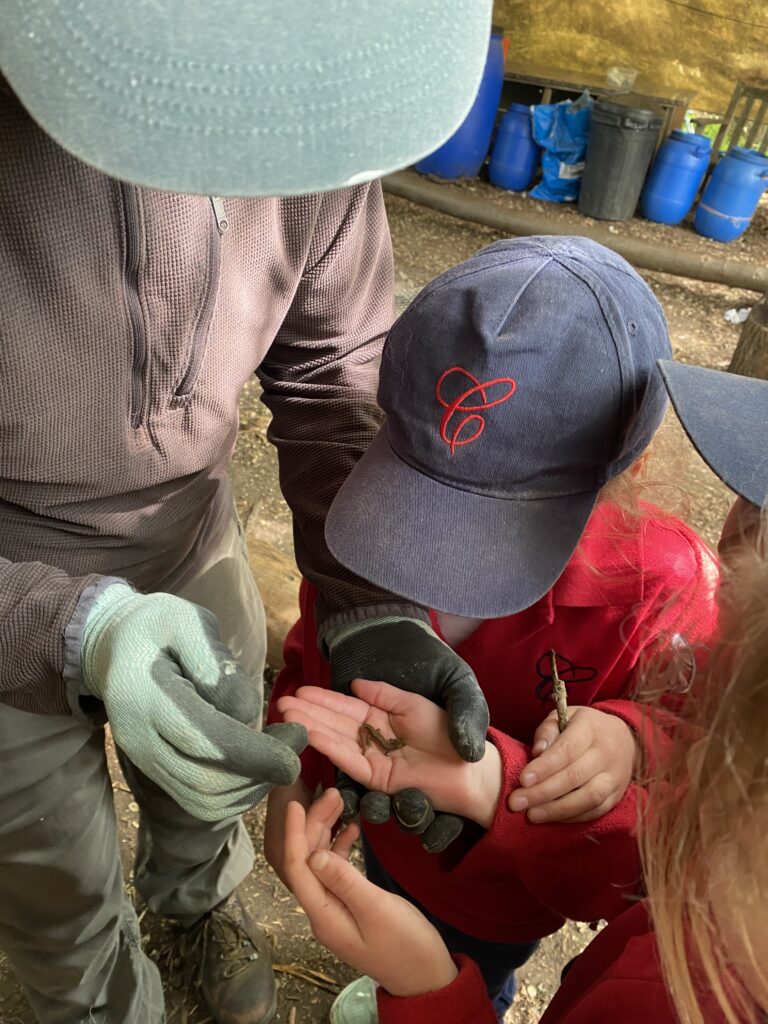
(672, 105)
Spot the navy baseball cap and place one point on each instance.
(246, 97)
(726, 418)
(515, 386)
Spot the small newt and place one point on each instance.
(368, 735)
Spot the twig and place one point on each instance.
(292, 1015)
(559, 694)
(307, 974)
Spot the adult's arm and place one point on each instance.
(319, 379)
(42, 612)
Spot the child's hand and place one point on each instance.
(274, 827)
(580, 774)
(428, 760)
(374, 931)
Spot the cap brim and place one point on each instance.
(234, 98)
(726, 418)
(449, 549)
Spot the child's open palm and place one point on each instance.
(427, 761)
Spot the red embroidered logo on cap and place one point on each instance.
(457, 405)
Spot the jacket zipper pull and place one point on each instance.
(222, 221)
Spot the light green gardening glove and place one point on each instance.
(180, 706)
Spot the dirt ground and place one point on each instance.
(425, 244)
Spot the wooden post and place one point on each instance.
(757, 123)
(726, 123)
(750, 357)
(738, 128)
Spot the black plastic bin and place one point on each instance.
(621, 145)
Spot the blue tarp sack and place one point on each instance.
(562, 130)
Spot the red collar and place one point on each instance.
(596, 576)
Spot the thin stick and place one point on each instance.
(316, 978)
(558, 693)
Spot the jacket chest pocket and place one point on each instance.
(134, 266)
(219, 225)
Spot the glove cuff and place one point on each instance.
(344, 632)
(105, 608)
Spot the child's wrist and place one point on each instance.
(489, 778)
(443, 972)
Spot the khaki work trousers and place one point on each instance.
(66, 926)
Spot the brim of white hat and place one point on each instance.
(237, 98)
(450, 549)
(725, 416)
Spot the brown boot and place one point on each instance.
(236, 977)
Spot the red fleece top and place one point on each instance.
(616, 980)
(623, 595)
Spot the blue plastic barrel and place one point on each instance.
(732, 194)
(463, 154)
(515, 156)
(675, 177)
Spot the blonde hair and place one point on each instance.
(636, 496)
(705, 830)
(640, 488)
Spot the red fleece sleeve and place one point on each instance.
(581, 871)
(464, 1001)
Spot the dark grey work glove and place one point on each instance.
(411, 807)
(406, 653)
(180, 706)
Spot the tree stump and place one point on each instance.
(750, 357)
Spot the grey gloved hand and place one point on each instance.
(180, 706)
(372, 805)
(414, 813)
(411, 807)
(406, 653)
